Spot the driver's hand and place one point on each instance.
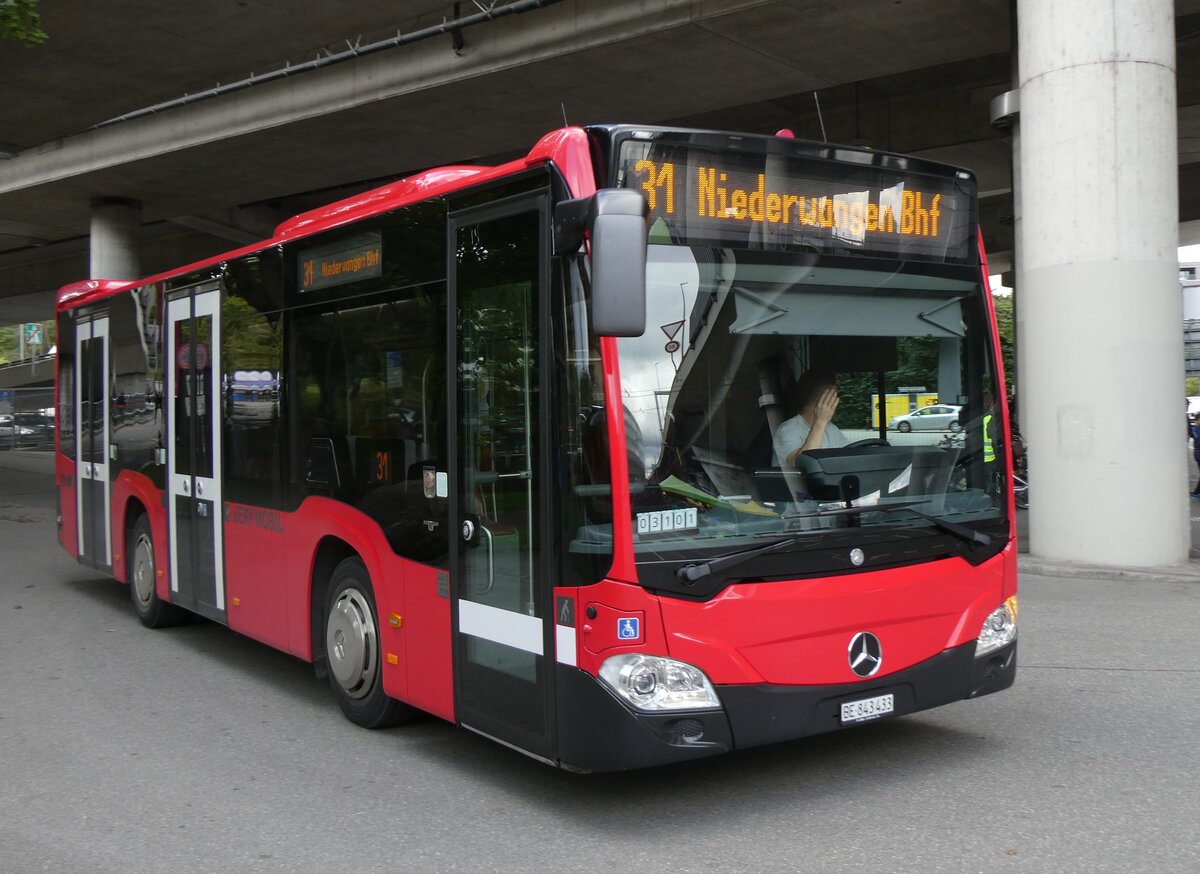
(827, 405)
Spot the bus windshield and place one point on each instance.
(720, 394)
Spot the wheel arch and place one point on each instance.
(132, 510)
(330, 552)
(134, 495)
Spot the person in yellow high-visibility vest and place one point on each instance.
(993, 484)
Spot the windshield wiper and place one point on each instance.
(960, 531)
(689, 573)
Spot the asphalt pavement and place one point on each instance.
(196, 750)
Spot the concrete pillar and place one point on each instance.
(1101, 393)
(116, 231)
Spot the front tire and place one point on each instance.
(353, 655)
(904, 427)
(142, 575)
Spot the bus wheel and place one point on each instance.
(352, 650)
(142, 573)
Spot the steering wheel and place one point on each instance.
(870, 441)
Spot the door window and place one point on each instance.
(501, 600)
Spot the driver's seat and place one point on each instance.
(771, 399)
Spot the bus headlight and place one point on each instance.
(999, 629)
(655, 683)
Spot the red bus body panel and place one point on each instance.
(68, 533)
(797, 633)
(257, 558)
(417, 653)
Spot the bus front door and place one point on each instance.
(503, 677)
(93, 491)
(194, 451)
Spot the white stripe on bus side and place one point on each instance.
(564, 640)
(501, 626)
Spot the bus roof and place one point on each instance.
(566, 148)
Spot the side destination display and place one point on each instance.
(357, 257)
(768, 201)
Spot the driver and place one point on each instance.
(817, 399)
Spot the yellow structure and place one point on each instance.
(899, 403)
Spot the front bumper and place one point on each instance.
(599, 732)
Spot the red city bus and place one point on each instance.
(550, 450)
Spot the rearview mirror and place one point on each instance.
(617, 221)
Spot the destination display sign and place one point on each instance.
(349, 260)
(760, 201)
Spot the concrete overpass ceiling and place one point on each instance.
(905, 75)
(1187, 60)
(104, 60)
(644, 62)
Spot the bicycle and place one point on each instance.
(1020, 472)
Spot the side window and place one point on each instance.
(133, 396)
(367, 395)
(374, 372)
(316, 390)
(401, 402)
(252, 368)
(388, 373)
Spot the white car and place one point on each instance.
(937, 417)
(12, 436)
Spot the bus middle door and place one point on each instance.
(194, 454)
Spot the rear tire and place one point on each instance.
(353, 654)
(141, 572)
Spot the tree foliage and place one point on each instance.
(20, 21)
(1004, 321)
(248, 340)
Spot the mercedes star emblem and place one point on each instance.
(865, 654)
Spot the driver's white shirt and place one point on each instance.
(792, 434)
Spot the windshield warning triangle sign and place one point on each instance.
(672, 328)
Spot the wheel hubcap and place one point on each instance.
(351, 643)
(143, 569)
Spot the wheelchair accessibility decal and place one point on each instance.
(628, 628)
